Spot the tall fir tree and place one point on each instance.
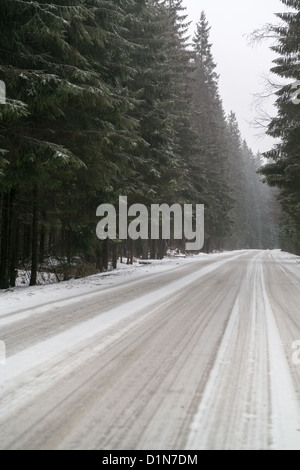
(210, 125)
(283, 170)
(69, 93)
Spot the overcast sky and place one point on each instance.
(241, 67)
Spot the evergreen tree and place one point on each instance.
(236, 175)
(283, 170)
(262, 209)
(72, 106)
(210, 124)
(161, 62)
(254, 212)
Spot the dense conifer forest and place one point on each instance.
(112, 98)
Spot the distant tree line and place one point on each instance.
(107, 98)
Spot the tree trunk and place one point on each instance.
(130, 248)
(34, 252)
(207, 245)
(42, 240)
(105, 256)
(145, 249)
(153, 249)
(13, 237)
(68, 235)
(98, 258)
(115, 255)
(121, 252)
(26, 244)
(161, 249)
(4, 281)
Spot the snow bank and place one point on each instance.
(23, 297)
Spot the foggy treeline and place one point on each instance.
(107, 99)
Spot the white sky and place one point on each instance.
(241, 66)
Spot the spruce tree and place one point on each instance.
(68, 104)
(162, 65)
(210, 125)
(283, 170)
(237, 181)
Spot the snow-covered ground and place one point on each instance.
(191, 353)
(23, 297)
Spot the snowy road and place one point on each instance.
(196, 357)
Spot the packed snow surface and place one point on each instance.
(184, 353)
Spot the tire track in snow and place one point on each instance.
(75, 340)
(269, 402)
(285, 406)
(135, 379)
(155, 358)
(199, 428)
